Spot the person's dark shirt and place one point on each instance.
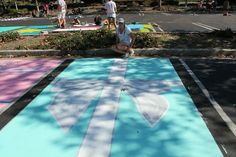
(98, 20)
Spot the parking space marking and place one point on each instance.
(217, 107)
(205, 26)
(160, 29)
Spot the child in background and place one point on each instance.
(98, 20)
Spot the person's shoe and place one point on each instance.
(131, 52)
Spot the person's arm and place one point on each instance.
(133, 39)
(115, 7)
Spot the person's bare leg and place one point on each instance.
(59, 23)
(131, 51)
(116, 49)
(109, 23)
(114, 23)
(63, 23)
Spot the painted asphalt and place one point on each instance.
(219, 77)
(119, 118)
(168, 22)
(204, 70)
(37, 30)
(17, 76)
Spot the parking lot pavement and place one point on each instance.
(211, 84)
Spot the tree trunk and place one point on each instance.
(160, 1)
(186, 3)
(16, 5)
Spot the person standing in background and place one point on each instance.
(61, 13)
(225, 8)
(111, 10)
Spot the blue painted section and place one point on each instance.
(17, 28)
(43, 27)
(10, 28)
(136, 26)
(35, 132)
(89, 68)
(180, 133)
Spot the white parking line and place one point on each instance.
(205, 26)
(14, 19)
(217, 107)
(160, 29)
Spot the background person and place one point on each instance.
(98, 20)
(61, 13)
(124, 39)
(226, 7)
(111, 10)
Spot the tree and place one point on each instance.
(4, 4)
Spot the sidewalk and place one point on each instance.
(148, 52)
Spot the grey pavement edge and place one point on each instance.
(162, 52)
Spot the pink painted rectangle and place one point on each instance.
(18, 75)
(1, 106)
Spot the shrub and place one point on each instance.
(145, 40)
(95, 39)
(9, 36)
(227, 33)
(82, 40)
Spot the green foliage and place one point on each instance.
(82, 40)
(95, 39)
(145, 40)
(9, 36)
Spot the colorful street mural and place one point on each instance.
(111, 108)
(37, 30)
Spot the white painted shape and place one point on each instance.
(74, 29)
(72, 99)
(97, 141)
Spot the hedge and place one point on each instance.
(95, 39)
(9, 36)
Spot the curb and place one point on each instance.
(162, 52)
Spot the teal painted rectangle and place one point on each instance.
(10, 28)
(89, 68)
(181, 132)
(136, 26)
(36, 132)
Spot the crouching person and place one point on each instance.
(124, 39)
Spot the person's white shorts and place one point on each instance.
(113, 15)
(61, 14)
